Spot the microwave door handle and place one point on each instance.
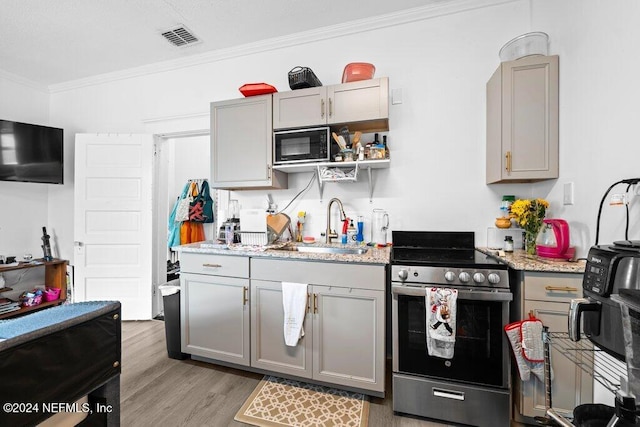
(577, 306)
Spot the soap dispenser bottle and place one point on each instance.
(352, 234)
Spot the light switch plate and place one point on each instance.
(568, 193)
(396, 96)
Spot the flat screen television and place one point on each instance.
(30, 153)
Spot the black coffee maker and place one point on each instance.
(233, 222)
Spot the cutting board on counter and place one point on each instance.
(278, 223)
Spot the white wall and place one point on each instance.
(23, 206)
(437, 136)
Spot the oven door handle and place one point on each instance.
(465, 294)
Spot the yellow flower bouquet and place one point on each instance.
(529, 214)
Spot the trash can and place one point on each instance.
(171, 301)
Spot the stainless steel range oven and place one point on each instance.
(472, 387)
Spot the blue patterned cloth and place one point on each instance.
(15, 327)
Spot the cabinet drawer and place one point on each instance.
(556, 287)
(218, 265)
(330, 274)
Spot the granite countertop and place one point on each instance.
(520, 260)
(373, 255)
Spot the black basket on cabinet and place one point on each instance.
(303, 77)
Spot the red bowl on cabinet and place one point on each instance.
(358, 71)
(253, 89)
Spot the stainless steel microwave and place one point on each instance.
(302, 145)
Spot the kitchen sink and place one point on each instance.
(327, 250)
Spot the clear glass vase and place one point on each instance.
(530, 241)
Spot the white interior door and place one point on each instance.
(113, 221)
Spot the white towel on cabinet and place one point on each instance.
(294, 302)
(441, 321)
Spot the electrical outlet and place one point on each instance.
(568, 193)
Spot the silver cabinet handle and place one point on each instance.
(322, 108)
(448, 394)
(211, 265)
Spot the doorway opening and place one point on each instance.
(180, 157)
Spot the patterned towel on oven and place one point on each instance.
(441, 321)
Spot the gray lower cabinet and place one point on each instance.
(348, 337)
(344, 325)
(215, 307)
(547, 296)
(268, 350)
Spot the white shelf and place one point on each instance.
(368, 165)
(310, 167)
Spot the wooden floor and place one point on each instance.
(158, 391)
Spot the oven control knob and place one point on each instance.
(478, 277)
(450, 276)
(464, 277)
(494, 278)
(403, 275)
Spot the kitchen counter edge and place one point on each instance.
(373, 256)
(520, 260)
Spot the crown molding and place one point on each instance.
(430, 11)
(24, 82)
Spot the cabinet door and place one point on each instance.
(300, 108)
(570, 386)
(215, 317)
(268, 349)
(241, 138)
(348, 337)
(365, 100)
(522, 120)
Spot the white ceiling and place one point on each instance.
(55, 41)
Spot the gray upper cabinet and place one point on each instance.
(364, 105)
(241, 144)
(522, 121)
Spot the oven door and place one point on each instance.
(298, 146)
(481, 353)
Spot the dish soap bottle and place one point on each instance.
(352, 234)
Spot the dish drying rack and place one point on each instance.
(342, 174)
(588, 358)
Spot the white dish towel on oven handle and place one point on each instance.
(441, 321)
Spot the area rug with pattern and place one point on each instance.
(281, 402)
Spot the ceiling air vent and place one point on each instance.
(180, 36)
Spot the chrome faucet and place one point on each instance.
(331, 234)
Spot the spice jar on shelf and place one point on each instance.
(347, 155)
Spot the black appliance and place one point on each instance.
(609, 269)
(473, 387)
(31, 153)
(302, 145)
(234, 225)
